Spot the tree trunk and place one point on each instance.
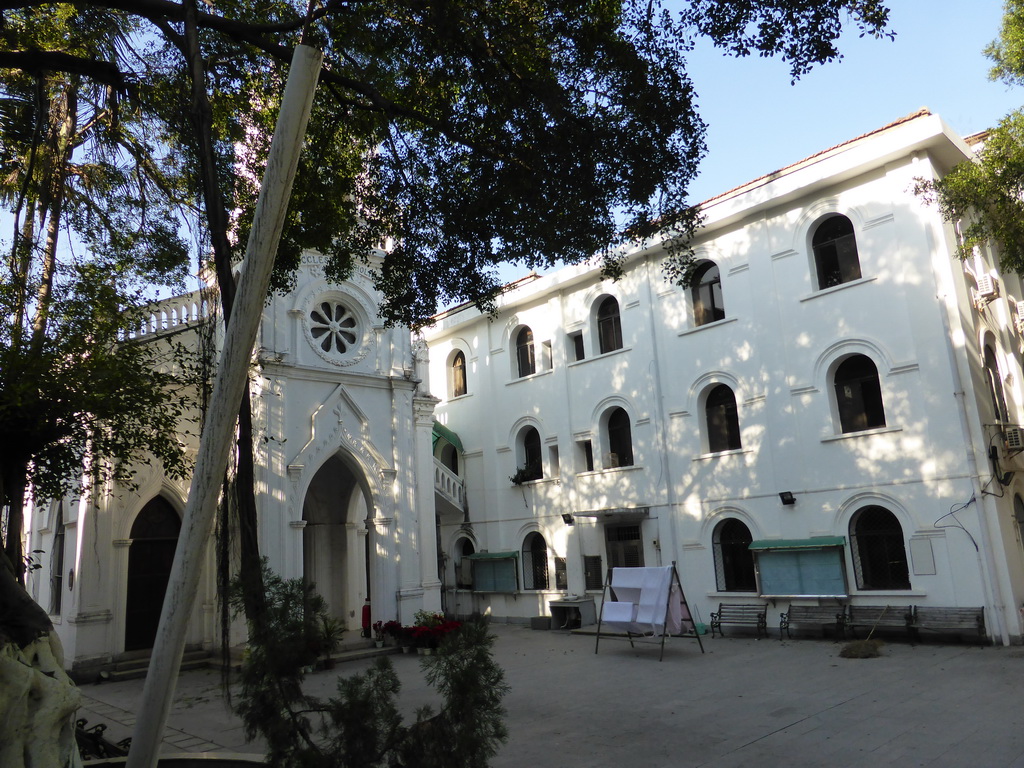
(230, 384)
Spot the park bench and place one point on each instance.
(888, 616)
(939, 619)
(742, 615)
(93, 743)
(822, 615)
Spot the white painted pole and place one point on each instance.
(228, 388)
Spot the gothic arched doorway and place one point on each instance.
(334, 552)
(154, 538)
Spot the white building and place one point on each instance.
(837, 388)
(835, 352)
(343, 426)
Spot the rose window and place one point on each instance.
(333, 327)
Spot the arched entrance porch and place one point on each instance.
(154, 537)
(334, 540)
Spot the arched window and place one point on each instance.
(995, 384)
(1018, 516)
(535, 562)
(722, 419)
(609, 327)
(531, 465)
(620, 439)
(858, 395)
(525, 355)
(835, 252)
(463, 565)
(458, 374)
(879, 553)
(734, 562)
(707, 294)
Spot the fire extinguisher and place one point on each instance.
(366, 618)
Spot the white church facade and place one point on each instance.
(837, 393)
(343, 425)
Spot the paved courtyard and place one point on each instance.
(744, 702)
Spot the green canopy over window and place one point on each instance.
(440, 430)
(814, 543)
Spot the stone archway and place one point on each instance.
(154, 538)
(334, 554)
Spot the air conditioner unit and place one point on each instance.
(1020, 317)
(1014, 437)
(988, 287)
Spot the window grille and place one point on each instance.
(734, 562)
(879, 552)
(561, 576)
(593, 574)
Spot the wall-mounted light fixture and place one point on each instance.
(787, 498)
(567, 518)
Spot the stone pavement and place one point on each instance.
(744, 702)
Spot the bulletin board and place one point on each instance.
(801, 567)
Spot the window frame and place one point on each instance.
(529, 454)
(861, 410)
(609, 326)
(526, 353)
(837, 258)
(706, 297)
(997, 394)
(535, 562)
(723, 425)
(457, 375)
(734, 560)
(879, 571)
(619, 437)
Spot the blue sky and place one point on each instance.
(758, 122)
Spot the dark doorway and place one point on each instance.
(154, 538)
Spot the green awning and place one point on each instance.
(440, 430)
(816, 542)
(492, 555)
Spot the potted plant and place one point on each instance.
(378, 633)
(331, 631)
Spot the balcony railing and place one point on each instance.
(449, 485)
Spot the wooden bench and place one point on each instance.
(939, 619)
(744, 615)
(871, 616)
(822, 615)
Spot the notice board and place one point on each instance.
(804, 568)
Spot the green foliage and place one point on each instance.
(1007, 51)
(985, 196)
(461, 136)
(361, 725)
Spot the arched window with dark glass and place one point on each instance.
(525, 355)
(722, 420)
(706, 293)
(535, 562)
(858, 395)
(459, 374)
(532, 463)
(734, 562)
(609, 326)
(1018, 516)
(463, 565)
(620, 439)
(879, 552)
(835, 252)
(995, 384)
